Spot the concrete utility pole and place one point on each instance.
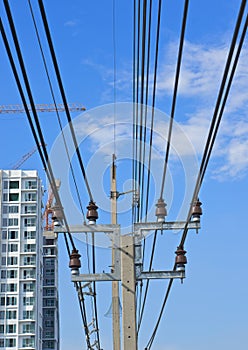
(128, 280)
(115, 284)
(127, 262)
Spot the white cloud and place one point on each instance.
(201, 74)
(71, 23)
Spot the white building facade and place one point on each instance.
(21, 249)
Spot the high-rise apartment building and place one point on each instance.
(28, 290)
(50, 292)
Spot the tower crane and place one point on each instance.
(73, 107)
(24, 158)
(50, 207)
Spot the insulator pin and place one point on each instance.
(92, 214)
(196, 211)
(161, 211)
(75, 262)
(181, 259)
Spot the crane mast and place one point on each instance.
(16, 108)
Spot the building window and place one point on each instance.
(30, 209)
(29, 260)
(10, 343)
(12, 260)
(11, 314)
(1, 343)
(11, 287)
(30, 185)
(50, 262)
(12, 234)
(5, 222)
(29, 234)
(28, 301)
(2, 301)
(49, 334)
(4, 234)
(29, 248)
(28, 342)
(29, 222)
(30, 197)
(14, 197)
(13, 247)
(11, 301)
(28, 328)
(49, 272)
(28, 274)
(49, 282)
(49, 292)
(4, 247)
(49, 323)
(48, 313)
(3, 287)
(11, 273)
(3, 261)
(28, 315)
(49, 302)
(13, 209)
(5, 185)
(1, 328)
(13, 184)
(5, 197)
(49, 251)
(49, 345)
(13, 222)
(28, 287)
(11, 328)
(3, 274)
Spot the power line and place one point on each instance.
(62, 91)
(56, 108)
(39, 141)
(150, 153)
(211, 136)
(179, 61)
(44, 157)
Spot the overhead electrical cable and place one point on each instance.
(179, 61)
(39, 141)
(150, 152)
(145, 137)
(142, 90)
(114, 62)
(134, 187)
(82, 300)
(218, 113)
(153, 105)
(62, 91)
(57, 112)
(137, 80)
(43, 152)
(146, 105)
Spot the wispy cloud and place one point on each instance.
(71, 23)
(200, 78)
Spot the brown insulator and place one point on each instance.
(196, 211)
(180, 258)
(161, 211)
(75, 262)
(92, 214)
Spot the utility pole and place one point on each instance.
(127, 262)
(115, 284)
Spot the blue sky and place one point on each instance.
(210, 309)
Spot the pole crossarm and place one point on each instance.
(165, 226)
